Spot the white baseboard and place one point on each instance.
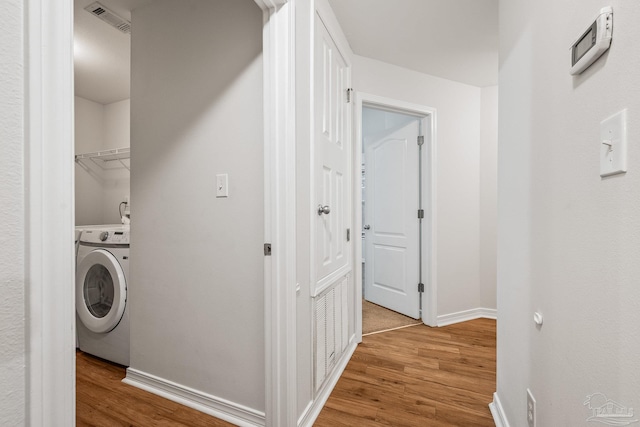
(313, 410)
(499, 417)
(463, 316)
(220, 408)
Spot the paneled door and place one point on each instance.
(332, 159)
(391, 224)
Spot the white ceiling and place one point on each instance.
(453, 39)
(102, 54)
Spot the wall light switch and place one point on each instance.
(222, 185)
(613, 144)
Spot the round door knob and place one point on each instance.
(323, 209)
(366, 227)
(104, 235)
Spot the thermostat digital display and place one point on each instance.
(593, 42)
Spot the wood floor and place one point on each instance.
(417, 376)
(103, 400)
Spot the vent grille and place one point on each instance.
(332, 328)
(99, 11)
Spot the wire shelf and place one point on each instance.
(102, 158)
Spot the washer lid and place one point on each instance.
(101, 291)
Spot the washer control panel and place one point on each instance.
(116, 235)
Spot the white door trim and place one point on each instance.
(49, 227)
(429, 238)
(270, 5)
(279, 212)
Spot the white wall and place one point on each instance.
(12, 213)
(488, 195)
(89, 137)
(117, 131)
(568, 241)
(197, 297)
(379, 122)
(117, 126)
(100, 127)
(458, 162)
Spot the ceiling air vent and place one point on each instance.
(109, 17)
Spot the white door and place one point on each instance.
(332, 157)
(391, 224)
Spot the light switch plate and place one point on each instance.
(222, 185)
(613, 144)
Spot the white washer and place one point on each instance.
(102, 317)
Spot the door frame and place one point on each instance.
(429, 238)
(279, 211)
(49, 213)
(50, 220)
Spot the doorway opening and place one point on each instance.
(395, 154)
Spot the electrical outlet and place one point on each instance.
(531, 409)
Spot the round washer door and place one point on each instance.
(101, 291)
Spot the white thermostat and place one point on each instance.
(593, 42)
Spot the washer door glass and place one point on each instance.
(101, 291)
(98, 290)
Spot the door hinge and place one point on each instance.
(420, 213)
(420, 287)
(267, 249)
(420, 139)
(348, 234)
(349, 95)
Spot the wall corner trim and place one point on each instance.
(499, 417)
(463, 316)
(220, 408)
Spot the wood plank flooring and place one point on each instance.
(103, 400)
(417, 376)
